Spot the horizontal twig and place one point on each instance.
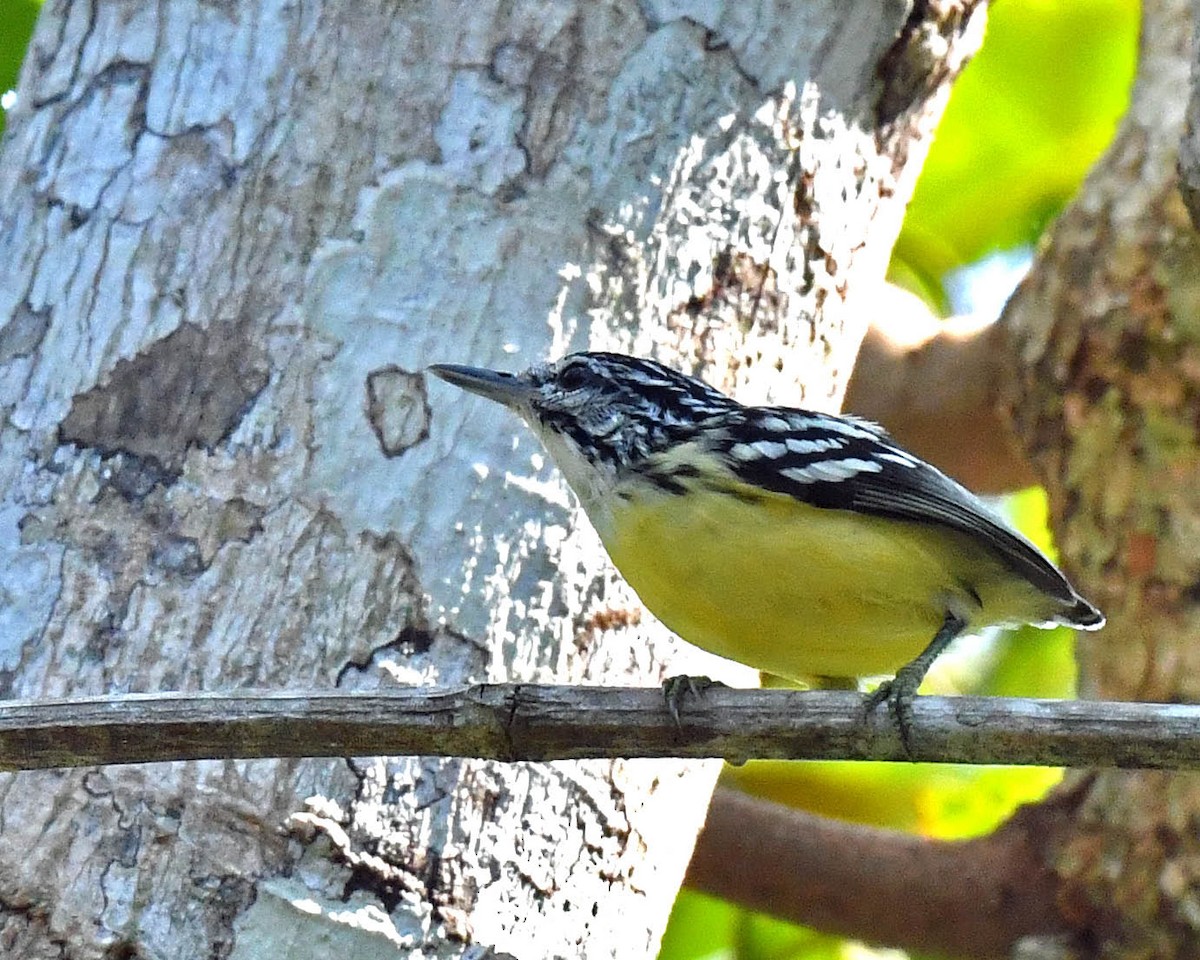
(542, 722)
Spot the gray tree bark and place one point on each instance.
(1107, 392)
(530, 721)
(231, 236)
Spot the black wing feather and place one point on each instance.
(924, 495)
(904, 488)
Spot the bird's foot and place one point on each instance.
(901, 690)
(676, 688)
(899, 693)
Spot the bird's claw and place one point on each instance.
(676, 688)
(899, 694)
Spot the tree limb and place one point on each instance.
(543, 722)
(974, 898)
(933, 384)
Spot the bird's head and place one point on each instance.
(606, 409)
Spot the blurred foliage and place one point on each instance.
(1027, 119)
(16, 27)
(705, 928)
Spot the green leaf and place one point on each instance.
(701, 928)
(705, 928)
(16, 27)
(1026, 120)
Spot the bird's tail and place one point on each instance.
(1082, 615)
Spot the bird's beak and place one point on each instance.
(506, 388)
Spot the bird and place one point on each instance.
(797, 542)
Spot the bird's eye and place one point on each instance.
(572, 378)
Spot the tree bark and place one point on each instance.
(231, 237)
(523, 721)
(933, 383)
(1107, 393)
(974, 898)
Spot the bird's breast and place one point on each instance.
(779, 584)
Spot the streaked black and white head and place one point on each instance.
(608, 409)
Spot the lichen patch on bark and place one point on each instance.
(398, 408)
(189, 389)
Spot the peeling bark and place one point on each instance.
(231, 236)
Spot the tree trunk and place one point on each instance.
(1106, 390)
(231, 237)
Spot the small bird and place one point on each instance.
(797, 542)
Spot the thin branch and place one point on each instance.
(975, 898)
(534, 722)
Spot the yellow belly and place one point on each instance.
(789, 588)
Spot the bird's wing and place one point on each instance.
(844, 464)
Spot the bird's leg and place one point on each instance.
(900, 691)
